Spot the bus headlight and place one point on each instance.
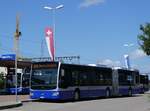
(55, 94)
(31, 94)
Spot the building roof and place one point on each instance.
(11, 63)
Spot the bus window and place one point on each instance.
(83, 77)
(44, 79)
(64, 78)
(74, 75)
(137, 80)
(125, 77)
(62, 72)
(94, 78)
(129, 78)
(105, 77)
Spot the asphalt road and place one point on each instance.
(136, 103)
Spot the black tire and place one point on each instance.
(76, 95)
(107, 93)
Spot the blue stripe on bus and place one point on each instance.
(19, 90)
(123, 91)
(96, 93)
(13, 90)
(135, 90)
(39, 94)
(47, 94)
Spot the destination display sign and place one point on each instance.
(46, 65)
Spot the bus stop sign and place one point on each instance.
(8, 57)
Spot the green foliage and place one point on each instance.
(144, 38)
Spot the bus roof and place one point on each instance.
(123, 68)
(72, 64)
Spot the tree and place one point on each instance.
(144, 38)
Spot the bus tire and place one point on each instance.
(130, 92)
(77, 95)
(107, 93)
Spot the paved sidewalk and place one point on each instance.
(10, 104)
(9, 101)
(6, 98)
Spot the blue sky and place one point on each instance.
(94, 29)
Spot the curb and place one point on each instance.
(28, 100)
(10, 105)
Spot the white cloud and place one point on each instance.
(138, 53)
(87, 3)
(109, 62)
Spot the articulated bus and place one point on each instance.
(23, 78)
(144, 83)
(62, 81)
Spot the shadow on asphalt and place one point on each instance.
(82, 100)
(8, 94)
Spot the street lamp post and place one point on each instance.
(53, 19)
(16, 48)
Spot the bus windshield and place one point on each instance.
(44, 78)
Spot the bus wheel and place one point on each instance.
(76, 95)
(130, 92)
(107, 93)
